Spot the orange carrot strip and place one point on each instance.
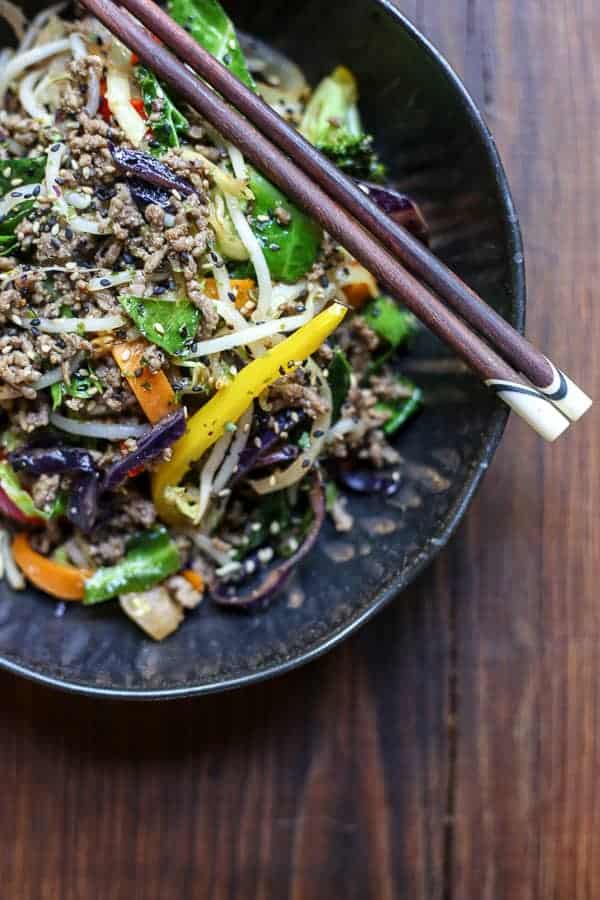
(195, 579)
(59, 580)
(242, 288)
(152, 389)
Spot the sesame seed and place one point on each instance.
(266, 555)
(159, 328)
(55, 229)
(272, 481)
(15, 182)
(125, 355)
(105, 282)
(275, 528)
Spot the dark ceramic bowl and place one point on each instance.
(439, 149)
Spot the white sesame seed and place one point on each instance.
(266, 555)
(159, 328)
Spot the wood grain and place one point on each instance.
(448, 752)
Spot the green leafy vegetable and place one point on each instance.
(82, 386)
(402, 409)
(391, 322)
(8, 226)
(340, 379)
(57, 393)
(209, 24)
(290, 249)
(29, 171)
(304, 441)
(11, 486)
(332, 122)
(150, 559)
(270, 519)
(331, 495)
(171, 326)
(170, 123)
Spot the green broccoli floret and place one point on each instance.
(332, 123)
(356, 156)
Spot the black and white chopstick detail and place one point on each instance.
(565, 395)
(536, 409)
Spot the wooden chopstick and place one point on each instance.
(496, 373)
(515, 348)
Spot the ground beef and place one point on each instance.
(116, 395)
(210, 317)
(389, 387)
(18, 366)
(134, 512)
(45, 490)
(155, 260)
(359, 342)
(107, 256)
(11, 302)
(367, 440)
(124, 214)
(28, 417)
(47, 539)
(155, 215)
(107, 548)
(290, 393)
(154, 358)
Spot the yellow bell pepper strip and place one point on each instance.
(58, 579)
(206, 427)
(152, 389)
(241, 287)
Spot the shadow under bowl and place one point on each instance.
(438, 149)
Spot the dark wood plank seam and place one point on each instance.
(452, 739)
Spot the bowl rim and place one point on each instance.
(447, 526)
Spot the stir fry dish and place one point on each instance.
(192, 374)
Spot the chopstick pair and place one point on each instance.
(548, 400)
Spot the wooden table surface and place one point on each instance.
(451, 750)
